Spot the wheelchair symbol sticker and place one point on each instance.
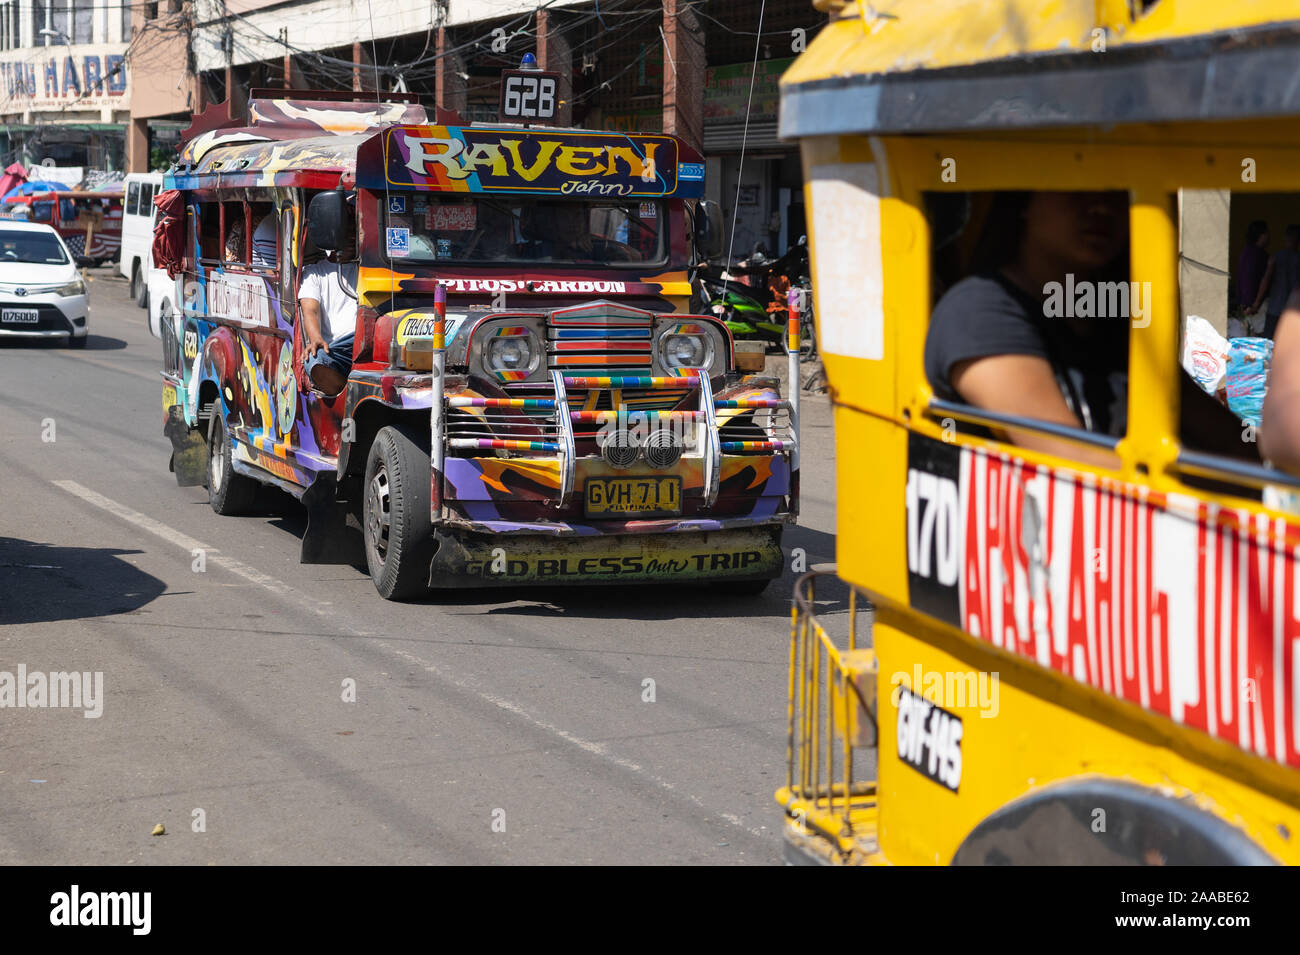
(399, 242)
(397, 205)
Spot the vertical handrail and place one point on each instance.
(794, 299)
(712, 443)
(437, 398)
(790, 708)
(564, 427)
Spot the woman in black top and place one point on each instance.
(1008, 339)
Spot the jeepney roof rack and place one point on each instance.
(337, 96)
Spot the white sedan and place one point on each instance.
(42, 294)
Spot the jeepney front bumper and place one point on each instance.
(491, 560)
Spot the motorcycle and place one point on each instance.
(760, 312)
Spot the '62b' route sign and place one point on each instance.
(529, 94)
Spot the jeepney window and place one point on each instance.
(263, 249)
(210, 238)
(133, 198)
(224, 232)
(1239, 263)
(43, 211)
(1030, 315)
(146, 197)
(526, 229)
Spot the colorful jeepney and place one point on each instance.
(530, 401)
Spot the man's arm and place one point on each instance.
(1024, 385)
(311, 325)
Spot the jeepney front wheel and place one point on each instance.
(228, 493)
(395, 513)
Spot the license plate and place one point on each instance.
(169, 398)
(642, 497)
(20, 316)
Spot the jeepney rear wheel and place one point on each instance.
(395, 513)
(228, 493)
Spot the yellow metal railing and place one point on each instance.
(830, 712)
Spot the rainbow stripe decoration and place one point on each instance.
(501, 444)
(539, 404)
(757, 445)
(630, 381)
(792, 327)
(751, 403)
(440, 317)
(600, 417)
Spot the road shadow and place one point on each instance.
(93, 343)
(41, 583)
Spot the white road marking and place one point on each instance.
(254, 576)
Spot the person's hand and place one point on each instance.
(317, 343)
(1251, 309)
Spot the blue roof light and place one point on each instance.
(529, 62)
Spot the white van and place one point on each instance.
(138, 214)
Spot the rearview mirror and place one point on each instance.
(708, 229)
(327, 220)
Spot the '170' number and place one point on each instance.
(932, 526)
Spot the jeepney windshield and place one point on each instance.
(525, 229)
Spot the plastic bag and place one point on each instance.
(1246, 381)
(1205, 353)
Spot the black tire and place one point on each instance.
(228, 493)
(77, 342)
(395, 514)
(139, 288)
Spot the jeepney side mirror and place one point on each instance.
(708, 229)
(327, 220)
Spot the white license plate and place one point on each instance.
(20, 316)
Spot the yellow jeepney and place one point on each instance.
(1067, 645)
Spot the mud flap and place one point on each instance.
(333, 534)
(189, 461)
(502, 560)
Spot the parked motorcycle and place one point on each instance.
(759, 312)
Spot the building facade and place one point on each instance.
(673, 66)
(77, 77)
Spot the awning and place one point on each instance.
(727, 137)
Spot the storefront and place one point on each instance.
(764, 194)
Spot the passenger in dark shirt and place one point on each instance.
(1251, 265)
(996, 342)
(1280, 280)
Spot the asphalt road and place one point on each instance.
(223, 705)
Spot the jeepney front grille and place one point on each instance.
(614, 347)
(602, 399)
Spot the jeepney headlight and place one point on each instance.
(686, 351)
(512, 353)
